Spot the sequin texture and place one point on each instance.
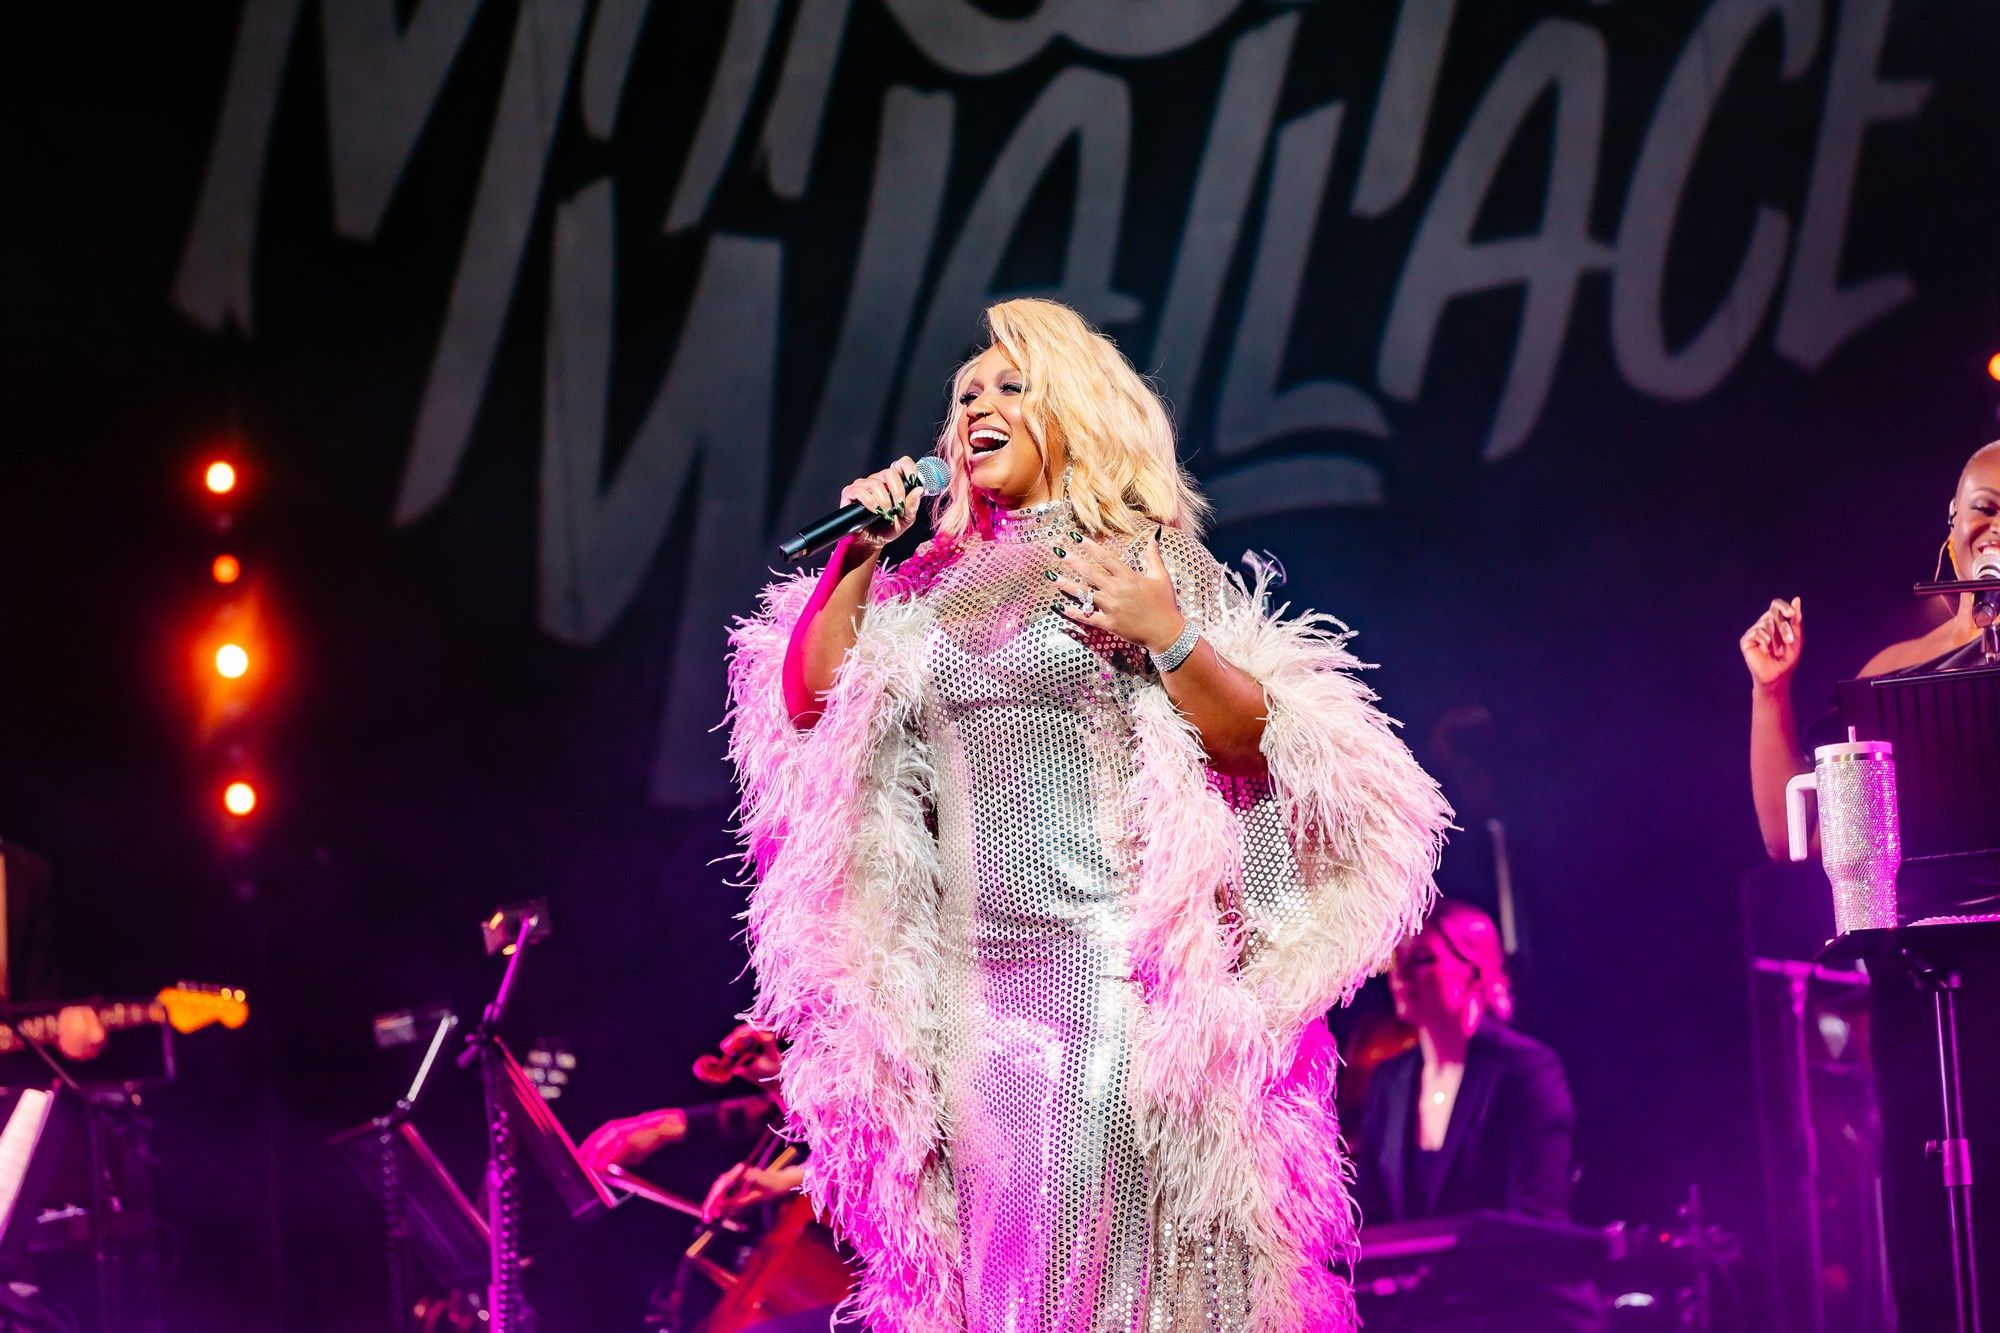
(1028, 718)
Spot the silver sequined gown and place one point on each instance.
(1028, 719)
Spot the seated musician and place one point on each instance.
(1477, 1116)
(753, 1054)
(748, 1053)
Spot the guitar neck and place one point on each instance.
(116, 1016)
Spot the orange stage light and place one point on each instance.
(220, 478)
(226, 569)
(239, 798)
(1993, 365)
(231, 661)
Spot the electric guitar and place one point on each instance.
(185, 1008)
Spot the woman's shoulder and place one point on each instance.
(1196, 573)
(1186, 555)
(1179, 543)
(1517, 1045)
(1911, 652)
(918, 573)
(1530, 1067)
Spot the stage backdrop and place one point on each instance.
(1544, 343)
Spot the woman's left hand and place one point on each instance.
(1137, 605)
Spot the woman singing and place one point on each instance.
(1901, 1030)
(1063, 847)
(1772, 646)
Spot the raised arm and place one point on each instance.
(1771, 650)
(824, 634)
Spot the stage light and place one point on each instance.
(226, 569)
(239, 798)
(220, 478)
(231, 661)
(1993, 365)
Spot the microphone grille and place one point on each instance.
(1987, 566)
(934, 473)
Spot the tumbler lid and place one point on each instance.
(1854, 750)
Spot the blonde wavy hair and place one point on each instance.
(1082, 393)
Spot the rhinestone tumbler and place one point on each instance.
(1860, 841)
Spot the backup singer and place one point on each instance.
(1063, 845)
(1773, 645)
(1901, 1031)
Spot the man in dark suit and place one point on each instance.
(1475, 1117)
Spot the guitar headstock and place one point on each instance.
(192, 1006)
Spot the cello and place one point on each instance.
(797, 1265)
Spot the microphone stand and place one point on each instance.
(1985, 610)
(506, 1306)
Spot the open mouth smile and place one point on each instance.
(986, 440)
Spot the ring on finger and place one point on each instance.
(1087, 604)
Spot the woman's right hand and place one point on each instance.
(1771, 647)
(743, 1186)
(894, 494)
(825, 632)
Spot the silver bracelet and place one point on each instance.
(1175, 654)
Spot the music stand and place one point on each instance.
(515, 1109)
(1933, 956)
(582, 1193)
(416, 1192)
(432, 1213)
(1942, 724)
(30, 1144)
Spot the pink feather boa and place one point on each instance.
(1234, 1068)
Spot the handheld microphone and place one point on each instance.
(932, 474)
